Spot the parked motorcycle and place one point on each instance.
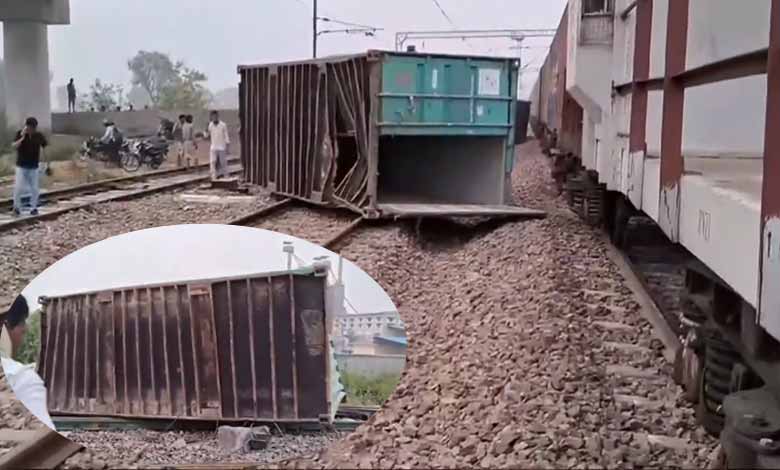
(92, 148)
(146, 152)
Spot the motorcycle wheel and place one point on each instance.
(131, 162)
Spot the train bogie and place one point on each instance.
(677, 113)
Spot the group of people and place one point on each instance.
(30, 145)
(72, 102)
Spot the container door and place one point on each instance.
(445, 96)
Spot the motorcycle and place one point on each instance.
(146, 152)
(92, 148)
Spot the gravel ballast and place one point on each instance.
(512, 331)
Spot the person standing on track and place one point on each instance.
(188, 139)
(29, 145)
(178, 136)
(71, 97)
(220, 146)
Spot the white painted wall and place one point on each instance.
(658, 41)
(588, 74)
(655, 108)
(726, 119)
(651, 187)
(719, 29)
(26, 54)
(588, 141)
(623, 47)
(730, 246)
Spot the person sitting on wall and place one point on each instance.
(24, 381)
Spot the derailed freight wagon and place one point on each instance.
(385, 134)
(252, 349)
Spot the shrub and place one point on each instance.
(28, 352)
(367, 391)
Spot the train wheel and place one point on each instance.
(707, 412)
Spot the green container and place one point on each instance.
(446, 95)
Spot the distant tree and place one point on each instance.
(225, 99)
(138, 97)
(101, 95)
(186, 91)
(121, 99)
(154, 72)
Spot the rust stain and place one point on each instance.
(672, 164)
(314, 331)
(295, 115)
(643, 38)
(770, 200)
(769, 264)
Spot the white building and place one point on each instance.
(366, 324)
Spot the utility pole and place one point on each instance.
(314, 30)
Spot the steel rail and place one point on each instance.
(27, 220)
(47, 450)
(650, 308)
(63, 193)
(288, 203)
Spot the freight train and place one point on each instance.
(668, 112)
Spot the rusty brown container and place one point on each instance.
(251, 348)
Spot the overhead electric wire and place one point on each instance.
(346, 23)
(444, 13)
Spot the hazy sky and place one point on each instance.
(192, 252)
(216, 36)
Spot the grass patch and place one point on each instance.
(61, 153)
(28, 352)
(368, 391)
(53, 153)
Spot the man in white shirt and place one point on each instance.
(220, 145)
(23, 379)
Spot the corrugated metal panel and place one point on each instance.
(249, 348)
(292, 128)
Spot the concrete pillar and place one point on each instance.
(26, 56)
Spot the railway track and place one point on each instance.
(653, 268)
(58, 202)
(650, 270)
(329, 228)
(325, 227)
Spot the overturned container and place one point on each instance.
(250, 348)
(386, 134)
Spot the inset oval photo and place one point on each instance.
(203, 344)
